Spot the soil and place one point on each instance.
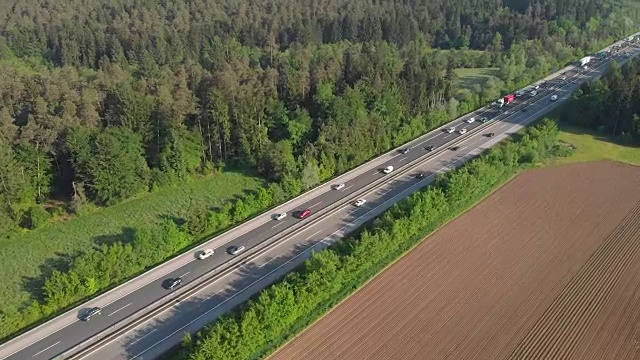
(548, 267)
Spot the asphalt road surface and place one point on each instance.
(165, 330)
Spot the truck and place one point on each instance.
(508, 99)
(585, 60)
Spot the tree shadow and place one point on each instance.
(125, 237)
(34, 285)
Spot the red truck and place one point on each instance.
(509, 99)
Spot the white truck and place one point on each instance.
(585, 60)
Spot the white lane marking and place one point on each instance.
(503, 126)
(316, 204)
(278, 224)
(119, 309)
(144, 336)
(404, 158)
(185, 274)
(216, 293)
(446, 136)
(41, 351)
(312, 235)
(347, 188)
(462, 148)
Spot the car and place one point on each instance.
(450, 130)
(420, 175)
(564, 78)
(91, 313)
(455, 148)
(534, 93)
(429, 147)
(519, 93)
(470, 120)
(554, 97)
(280, 216)
(524, 109)
(360, 202)
(172, 283)
(462, 131)
(483, 119)
(302, 214)
(537, 87)
(388, 169)
(491, 134)
(235, 250)
(338, 186)
(406, 150)
(205, 254)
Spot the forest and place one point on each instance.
(105, 101)
(610, 105)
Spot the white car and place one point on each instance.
(388, 169)
(338, 186)
(360, 202)
(563, 78)
(462, 131)
(534, 93)
(554, 97)
(280, 216)
(537, 87)
(470, 120)
(450, 130)
(205, 254)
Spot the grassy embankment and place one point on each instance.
(27, 256)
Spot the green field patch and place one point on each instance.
(26, 256)
(468, 78)
(592, 146)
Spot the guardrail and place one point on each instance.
(219, 272)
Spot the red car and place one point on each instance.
(302, 214)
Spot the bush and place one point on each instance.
(35, 217)
(285, 308)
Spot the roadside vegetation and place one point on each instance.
(288, 306)
(96, 119)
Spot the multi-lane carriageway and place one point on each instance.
(282, 244)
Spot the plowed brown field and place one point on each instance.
(546, 268)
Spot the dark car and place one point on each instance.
(235, 250)
(524, 109)
(172, 283)
(90, 313)
(420, 175)
(491, 134)
(455, 148)
(429, 148)
(483, 119)
(302, 214)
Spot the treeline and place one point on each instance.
(80, 33)
(299, 114)
(610, 104)
(285, 308)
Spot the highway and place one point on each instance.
(165, 330)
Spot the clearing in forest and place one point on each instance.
(548, 267)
